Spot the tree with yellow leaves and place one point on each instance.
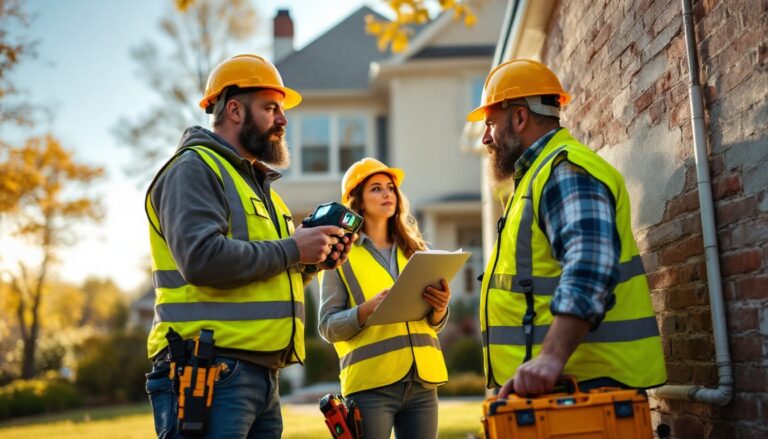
(200, 34)
(14, 47)
(40, 201)
(408, 13)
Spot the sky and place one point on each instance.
(83, 72)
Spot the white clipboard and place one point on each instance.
(404, 302)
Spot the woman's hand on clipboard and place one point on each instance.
(438, 298)
(365, 310)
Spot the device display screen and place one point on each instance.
(322, 210)
(349, 220)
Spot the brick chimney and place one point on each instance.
(283, 35)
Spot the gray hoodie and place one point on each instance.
(192, 209)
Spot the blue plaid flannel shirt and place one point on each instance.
(579, 219)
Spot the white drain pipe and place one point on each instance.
(724, 392)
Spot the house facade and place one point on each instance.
(406, 110)
(626, 66)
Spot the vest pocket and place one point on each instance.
(289, 224)
(258, 208)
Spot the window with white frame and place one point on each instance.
(476, 89)
(326, 144)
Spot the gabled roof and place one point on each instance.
(337, 60)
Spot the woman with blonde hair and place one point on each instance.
(391, 371)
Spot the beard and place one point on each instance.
(262, 146)
(503, 158)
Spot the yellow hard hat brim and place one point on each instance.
(477, 115)
(292, 97)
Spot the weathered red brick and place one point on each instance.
(716, 165)
(733, 211)
(681, 250)
(726, 186)
(692, 271)
(686, 296)
(673, 324)
(688, 426)
(662, 234)
(710, 96)
(746, 234)
(644, 100)
(750, 378)
(736, 75)
(697, 348)
(663, 278)
(752, 287)
(687, 202)
(724, 430)
(743, 406)
(741, 261)
(752, 431)
(704, 374)
(742, 318)
(598, 40)
(690, 179)
(747, 347)
(650, 261)
(678, 373)
(657, 111)
(700, 321)
(718, 39)
(690, 224)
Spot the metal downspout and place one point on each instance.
(724, 392)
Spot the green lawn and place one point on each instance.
(457, 419)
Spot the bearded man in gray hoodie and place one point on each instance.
(226, 258)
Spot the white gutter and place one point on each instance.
(724, 392)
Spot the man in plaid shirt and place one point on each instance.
(565, 289)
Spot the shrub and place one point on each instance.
(321, 363)
(29, 397)
(111, 368)
(285, 386)
(464, 355)
(463, 384)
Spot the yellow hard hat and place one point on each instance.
(518, 78)
(362, 169)
(247, 71)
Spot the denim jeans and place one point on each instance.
(406, 405)
(245, 402)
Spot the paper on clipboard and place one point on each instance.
(404, 302)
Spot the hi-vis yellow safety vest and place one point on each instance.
(383, 354)
(626, 346)
(262, 316)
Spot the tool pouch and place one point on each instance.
(342, 417)
(193, 374)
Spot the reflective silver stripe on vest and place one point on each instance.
(354, 285)
(168, 279)
(227, 311)
(388, 345)
(236, 212)
(546, 286)
(607, 332)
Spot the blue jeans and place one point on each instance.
(245, 403)
(406, 405)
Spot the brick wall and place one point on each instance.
(635, 50)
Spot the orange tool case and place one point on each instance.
(608, 412)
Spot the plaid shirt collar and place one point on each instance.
(531, 154)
